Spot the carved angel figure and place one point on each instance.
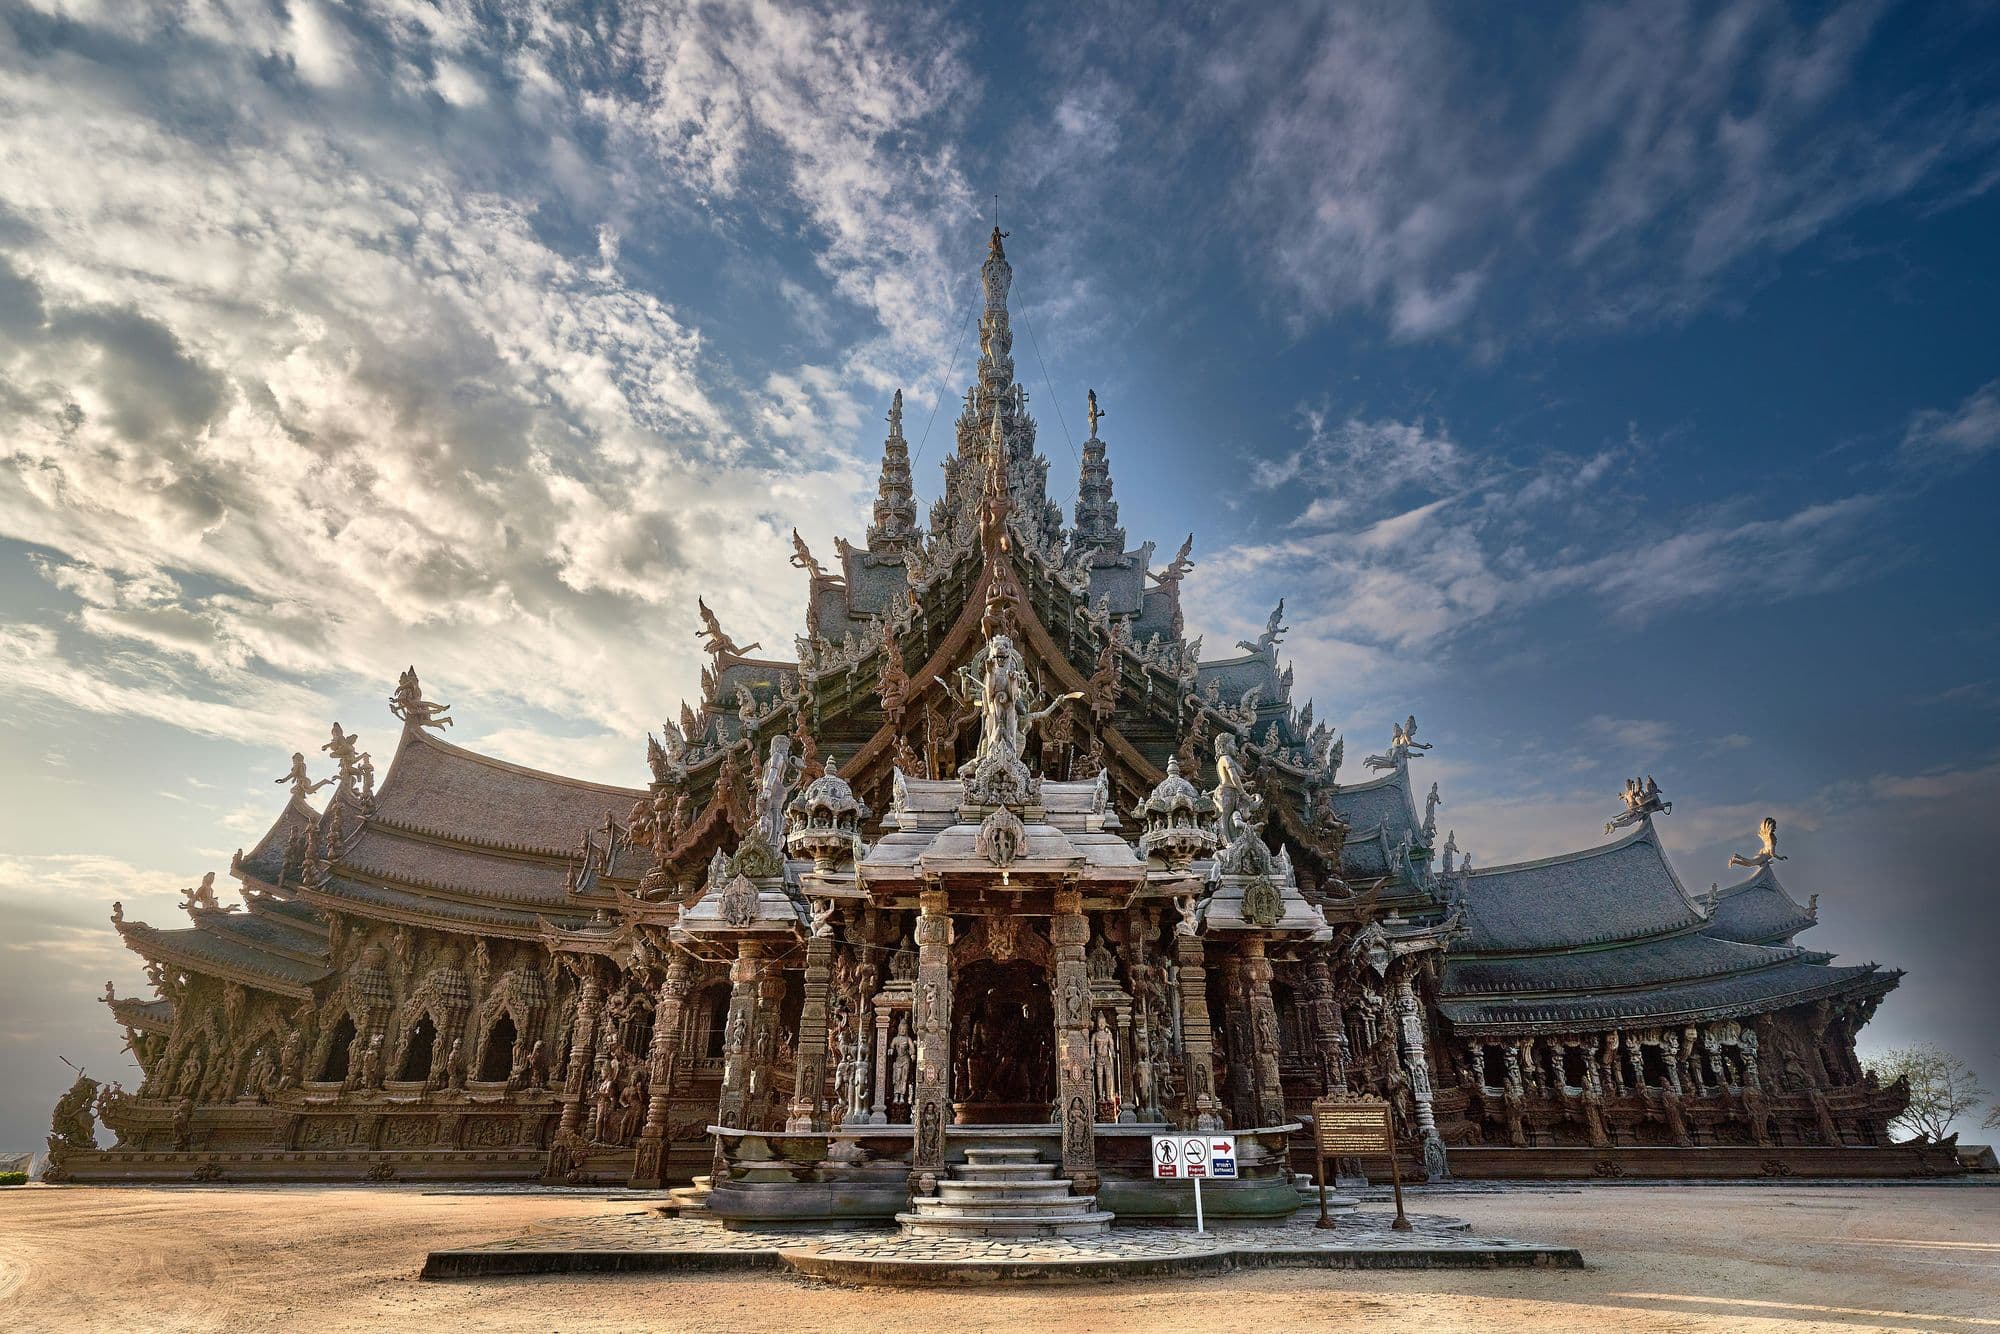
(409, 704)
(803, 559)
(1001, 694)
(1767, 834)
(302, 784)
(1267, 643)
(201, 896)
(718, 643)
(1094, 413)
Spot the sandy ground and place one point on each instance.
(1660, 1258)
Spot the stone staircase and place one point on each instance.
(1003, 1192)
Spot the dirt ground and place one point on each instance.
(1659, 1258)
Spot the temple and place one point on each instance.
(939, 916)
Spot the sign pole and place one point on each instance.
(1402, 1223)
(1325, 1220)
(1197, 1205)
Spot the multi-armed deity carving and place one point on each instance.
(409, 704)
(999, 689)
(1642, 798)
(1403, 747)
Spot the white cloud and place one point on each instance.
(1959, 435)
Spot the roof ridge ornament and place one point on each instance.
(1642, 801)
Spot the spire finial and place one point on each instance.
(1094, 413)
(994, 250)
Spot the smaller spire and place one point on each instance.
(1096, 511)
(895, 499)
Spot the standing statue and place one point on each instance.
(1002, 693)
(371, 1063)
(780, 771)
(290, 1053)
(1104, 1057)
(454, 1066)
(1095, 414)
(1231, 793)
(902, 1063)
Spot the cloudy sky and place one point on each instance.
(1619, 395)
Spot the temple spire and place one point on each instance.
(895, 499)
(996, 339)
(1096, 511)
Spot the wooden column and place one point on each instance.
(1203, 1112)
(761, 1105)
(808, 1110)
(649, 1163)
(1267, 1092)
(583, 1042)
(1436, 1166)
(1076, 1094)
(931, 1109)
(1242, 1044)
(736, 1045)
(1329, 1027)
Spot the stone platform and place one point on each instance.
(649, 1242)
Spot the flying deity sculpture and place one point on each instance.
(716, 642)
(1402, 742)
(302, 783)
(1767, 834)
(409, 704)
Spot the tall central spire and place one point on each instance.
(895, 504)
(996, 340)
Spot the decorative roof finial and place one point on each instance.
(1094, 412)
(1642, 798)
(994, 250)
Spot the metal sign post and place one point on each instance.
(1195, 1157)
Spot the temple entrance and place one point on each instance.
(1003, 1044)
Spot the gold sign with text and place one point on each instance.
(1349, 1127)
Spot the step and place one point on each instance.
(1000, 1154)
(1004, 1171)
(1069, 1206)
(1001, 1225)
(1024, 1191)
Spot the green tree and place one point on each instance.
(1942, 1088)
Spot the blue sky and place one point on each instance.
(1617, 390)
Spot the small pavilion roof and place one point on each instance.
(1758, 911)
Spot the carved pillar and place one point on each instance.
(878, 1115)
(1328, 1025)
(1128, 1060)
(808, 1110)
(1267, 1092)
(730, 1106)
(761, 1105)
(1436, 1165)
(583, 1043)
(1203, 1112)
(931, 1108)
(649, 1163)
(1241, 1073)
(1076, 1095)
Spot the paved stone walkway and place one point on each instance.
(649, 1241)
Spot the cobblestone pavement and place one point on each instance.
(1359, 1237)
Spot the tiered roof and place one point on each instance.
(1609, 935)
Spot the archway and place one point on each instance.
(417, 1059)
(335, 1068)
(496, 1061)
(1003, 1044)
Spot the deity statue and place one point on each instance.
(1231, 792)
(1002, 693)
(202, 896)
(780, 771)
(1104, 1057)
(1094, 413)
(902, 1062)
